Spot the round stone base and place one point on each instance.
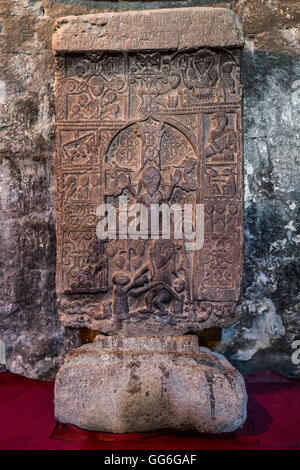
(119, 385)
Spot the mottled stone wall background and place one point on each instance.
(35, 341)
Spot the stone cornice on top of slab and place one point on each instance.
(177, 28)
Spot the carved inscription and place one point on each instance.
(153, 127)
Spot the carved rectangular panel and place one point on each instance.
(149, 123)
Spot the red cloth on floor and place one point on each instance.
(27, 421)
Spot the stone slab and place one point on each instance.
(180, 28)
(141, 384)
(155, 126)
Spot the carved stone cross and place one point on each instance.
(148, 114)
(148, 107)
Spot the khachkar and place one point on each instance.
(148, 112)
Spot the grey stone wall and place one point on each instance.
(35, 341)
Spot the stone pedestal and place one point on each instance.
(120, 384)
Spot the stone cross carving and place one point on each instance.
(148, 108)
(148, 125)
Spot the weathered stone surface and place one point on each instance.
(178, 29)
(271, 26)
(149, 127)
(122, 385)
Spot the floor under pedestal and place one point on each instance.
(28, 422)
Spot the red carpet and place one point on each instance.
(27, 421)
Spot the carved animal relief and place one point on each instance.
(151, 127)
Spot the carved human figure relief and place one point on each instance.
(154, 126)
